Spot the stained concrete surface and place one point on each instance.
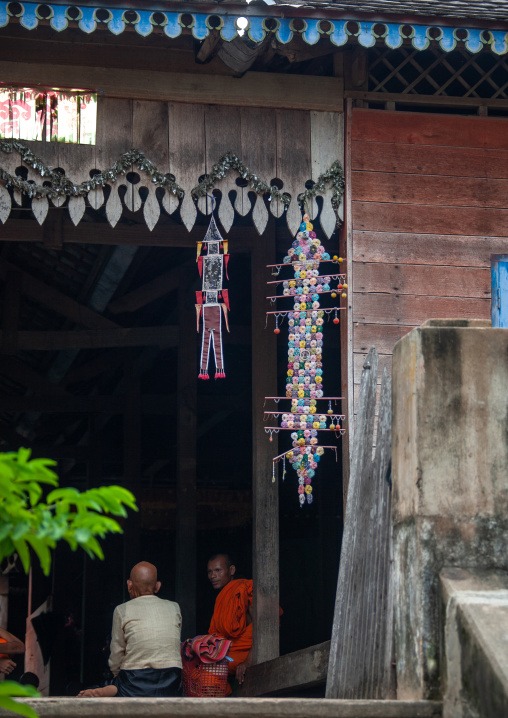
(450, 479)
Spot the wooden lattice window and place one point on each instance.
(431, 72)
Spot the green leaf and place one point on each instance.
(17, 690)
(9, 705)
(10, 689)
(24, 554)
(20, 530)
(5, 530)
(82, 535)
(41, 549)
(68, 494)
(34, 492)
(23, 455)
(92, 546)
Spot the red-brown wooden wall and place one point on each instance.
(429, 205)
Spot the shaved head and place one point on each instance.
(220, 570)
(143, 580)
(225, 556)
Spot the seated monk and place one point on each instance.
(232, 615)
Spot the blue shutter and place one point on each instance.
(499, 272)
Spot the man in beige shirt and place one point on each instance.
(145, 642)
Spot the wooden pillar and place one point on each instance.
(10, 312)
(4, 601)
(264, 493)
(186, 503)
(132, 471)
(346, 334)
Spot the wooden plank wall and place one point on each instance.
(429, 205)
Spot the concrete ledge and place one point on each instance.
(228, 707)
(476, 643)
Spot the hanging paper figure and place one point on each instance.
(212, 301)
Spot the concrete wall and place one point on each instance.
(450, 479)
(476, 643)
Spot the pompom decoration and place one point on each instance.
(304, 378)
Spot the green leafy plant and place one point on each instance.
(10, 690)
(29, 519)
(65, 514)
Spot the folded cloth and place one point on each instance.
(208, 649)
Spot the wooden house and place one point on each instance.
(98, 351)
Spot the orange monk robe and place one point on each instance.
(230, 618)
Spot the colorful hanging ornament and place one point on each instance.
(304, 382)
(212, 301)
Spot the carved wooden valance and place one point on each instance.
(262, 162)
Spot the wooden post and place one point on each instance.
(10, 313)
(264, 493)
(186, 539)
(346, 335)
(4, 601)
(132, 471)
(360, 651)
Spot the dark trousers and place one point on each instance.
(149, 683)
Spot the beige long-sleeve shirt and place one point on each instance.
(146, 634)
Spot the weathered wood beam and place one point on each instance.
(113, 403)
(10, 310)
(298, 670)
(149, 292)
(254, 89)
(265, 493)
(163, 235)
(439, 100)
(132, 465)
(60, 451)
(55, 300)
(165, 336)
(186, 521)
(208, 46)
(20, 372)
(347, 333)
(96, 366)
(97, 338)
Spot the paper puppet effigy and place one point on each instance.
(306, 416)
(212, 301)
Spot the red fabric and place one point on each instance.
(208, 649)
(230, 617)
(225, 296)
(199, 297)
(226, 260)
(211, 336)
(200, 265)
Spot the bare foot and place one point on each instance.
(105, 692)
(6, 666)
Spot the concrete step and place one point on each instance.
(229, 708)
